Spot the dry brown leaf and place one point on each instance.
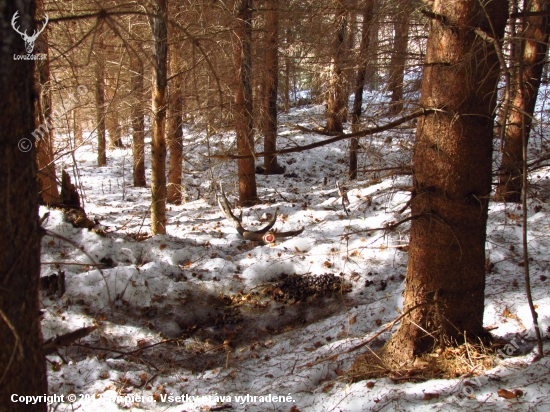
(340, 372)
(430, 396)
(503, 393)
(353, 319)
(163, 246)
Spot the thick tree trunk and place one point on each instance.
(22, 363)
(49, 193)
(531, 60)
(452, 180)
(360, 85)
(175, 131)
(158, 143)
(337, 93)
(242, 44)
(100, 103)
(138, 121)
(399, 57)
(271, 82)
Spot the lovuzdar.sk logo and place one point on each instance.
(29, 40)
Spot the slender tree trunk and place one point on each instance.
(337, 93)
(532, 58)
(271, 83)
(242, 45)
(372, 77)
(399, 57)
(175, 131)
(100, 102)
(77, 128)
(360, 85)
(113, 127)
(49, 193)
(158, 143)
(452, 180)
(287, 71)
(138, 121)
(350, 41)
(22, 363)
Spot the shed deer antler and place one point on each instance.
(264, 235)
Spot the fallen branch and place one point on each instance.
(52, 345)
(359, 346)
(362, 133)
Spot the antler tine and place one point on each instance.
(270, 223)
(226, 209)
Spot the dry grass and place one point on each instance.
(452, 362)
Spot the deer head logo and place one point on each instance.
(29, 40)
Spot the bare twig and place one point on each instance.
(360, 345)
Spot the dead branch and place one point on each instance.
(263, 235)
(369, 340)
(362, 133)
(392, 226)
(342, 191)
(52, 345)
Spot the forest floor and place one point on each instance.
(227, 324)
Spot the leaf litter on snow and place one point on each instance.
(203, 315)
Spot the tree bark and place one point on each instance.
(271, 86)
(158, 143)
(452, 180)
(175, 131)
(49, 193)
(337, 93)
(531, 60)
(22, 363)
(113, 127)
(242, 45)
(287, 71)
(360, 85)
(138, 121)
(372, 78)
(100, 102)
(399, 57)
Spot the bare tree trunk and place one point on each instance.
(242, 45)
(271, 83)
(360, 85)
(113, 127)
(100, 102)
(372, 77)
(22, 363)
(399, 57)
(77, 128)
(531, 60)
(452, 180)
(158, 143)
(337, 93)
(49, 193)
(138, 121)
(287, 72)
(175, 131)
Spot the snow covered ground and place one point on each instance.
(195, 320)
